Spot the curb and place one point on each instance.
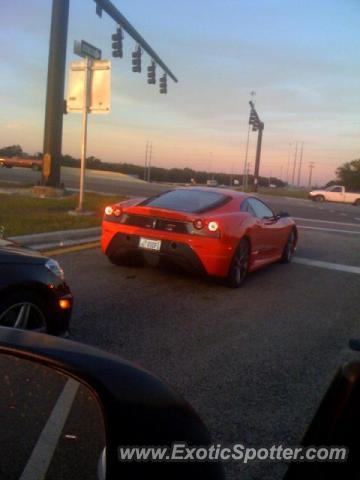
(61, 238)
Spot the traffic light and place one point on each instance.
(117, 43)
(163, 84)
(151, 74)
(136, 60)
(254, 120)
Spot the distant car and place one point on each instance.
(218, 232)
(33, 163)
(33, 293)
(336, 193)
(211, 183)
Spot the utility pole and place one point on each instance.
(257, 126)
(300, 164)
(245, 169)
(146, 160)
(149, 163)
(247, 175)
(294, 168)
(258, 156)
(311, 167)
(55, 105)
(54, 108)
(244, 179)
(288, 164)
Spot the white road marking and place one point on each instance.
(44, 449)
(328, 265)
(326, 221)
(338, 230)
(344, 214)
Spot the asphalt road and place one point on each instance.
(254, 362)
(105, 182)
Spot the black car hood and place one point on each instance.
(14, 254)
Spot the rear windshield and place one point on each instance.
(192, 201)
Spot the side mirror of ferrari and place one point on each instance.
(283, 214)
(336, 424)
(68, 410)
(269, 220)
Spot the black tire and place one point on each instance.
(319, 198)
(37, 318)
(35, 167)
(239, 265)
(289, 248)
(357, 202)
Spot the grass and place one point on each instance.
(21, 215)
(284, 193)
(279, 192)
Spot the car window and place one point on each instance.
(187, 200)
(246, 207)
(336, 189)
(260, 209)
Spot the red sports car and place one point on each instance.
(220, 232)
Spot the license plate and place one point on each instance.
(149, 244)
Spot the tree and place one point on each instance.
(11, 151)
(349, 175)
(331, 183)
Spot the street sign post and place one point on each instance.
(99, 93)
(88, 92)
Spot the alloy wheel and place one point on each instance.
(24, 315)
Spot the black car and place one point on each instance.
(33, 293)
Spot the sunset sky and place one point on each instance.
(301, 57)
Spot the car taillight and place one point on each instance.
(213, 226)
(109, 210)
(198, 224)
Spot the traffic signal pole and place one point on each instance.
(258, 156)
(54, 109)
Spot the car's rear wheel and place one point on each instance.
(24, 310)
(35, 167)
(319, 198)
(357, 202)
(239, 265)
(289, 248)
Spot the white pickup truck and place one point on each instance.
(335, 194)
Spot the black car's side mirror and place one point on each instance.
(128, 406)
(336, 423)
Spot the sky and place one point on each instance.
(301, 57)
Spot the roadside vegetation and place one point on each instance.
(21, 215)
(283, 192)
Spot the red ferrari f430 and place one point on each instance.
(219, 232)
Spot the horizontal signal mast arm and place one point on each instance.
(114, 13)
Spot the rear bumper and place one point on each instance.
(192, 253)
(172, 253)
